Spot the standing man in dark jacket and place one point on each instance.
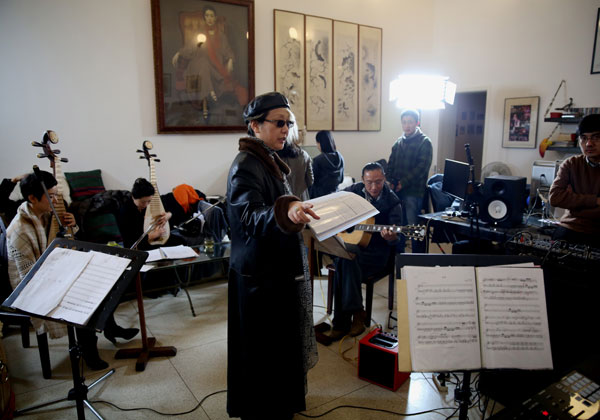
(328, 167)
(349, 316)
(408, 169)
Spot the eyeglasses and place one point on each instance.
(281, 123)
(594, 138)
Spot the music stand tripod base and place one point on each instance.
(143, 354)
(147, 350)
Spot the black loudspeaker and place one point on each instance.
(503, 200)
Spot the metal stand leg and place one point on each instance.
(79, 391)
(183, 286)
(463, 396)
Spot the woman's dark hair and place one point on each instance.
(142, 188)
(325, 139)
(373, 166)
(290, 150)
(30, 185)
(207, 8)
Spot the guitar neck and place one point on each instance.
(379, 228)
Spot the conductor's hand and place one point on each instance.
(388, 234)
(68, 220)
(298, 212)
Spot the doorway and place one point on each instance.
(462, 123)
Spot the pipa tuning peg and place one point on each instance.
(42, 155)
(36, 144)
(64, 160)
(139, 151)
(56, 151)
(156, 160)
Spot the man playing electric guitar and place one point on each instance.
(349, 315)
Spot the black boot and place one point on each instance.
(89, 349)
(112, 331)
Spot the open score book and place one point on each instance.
(467, 318)
(339, 211)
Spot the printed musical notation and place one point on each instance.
(467, 318)
(512, 310)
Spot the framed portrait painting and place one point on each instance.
(203, 64)
(369, 78)
(289, 60)
(319, 74)
(345, 76)
(596, 52)
(520, 122)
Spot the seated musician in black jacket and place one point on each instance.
(349, 315)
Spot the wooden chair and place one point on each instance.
(23, 321)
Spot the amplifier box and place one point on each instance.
(378, 360)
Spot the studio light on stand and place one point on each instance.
(422, 91)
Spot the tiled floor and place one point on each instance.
(178, 384)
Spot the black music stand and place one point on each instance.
(462, 395)
(97, 322)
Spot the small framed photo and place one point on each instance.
(203, 64)
(520, 122)
(596, 52)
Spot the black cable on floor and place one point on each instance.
(156, 411)
(434, 410)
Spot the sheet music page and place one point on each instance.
(513, 318)
(154, 255)
(442, 308)
(51, 282)
(339, 211)
(177, 252)
(91, 287)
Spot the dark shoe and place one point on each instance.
(120, 332)
(358, 323)
(337, 335)
(93, 360)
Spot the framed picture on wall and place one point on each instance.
(520, 122)
(596, 52)
(345, 75)
(289, 60)
(319, 73)
(369, 76)
(203, 64)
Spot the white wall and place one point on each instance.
(513, 48)
(84, 68)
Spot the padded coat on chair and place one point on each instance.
(23, 321)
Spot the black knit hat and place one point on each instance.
(264, 103)
(590, 124)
